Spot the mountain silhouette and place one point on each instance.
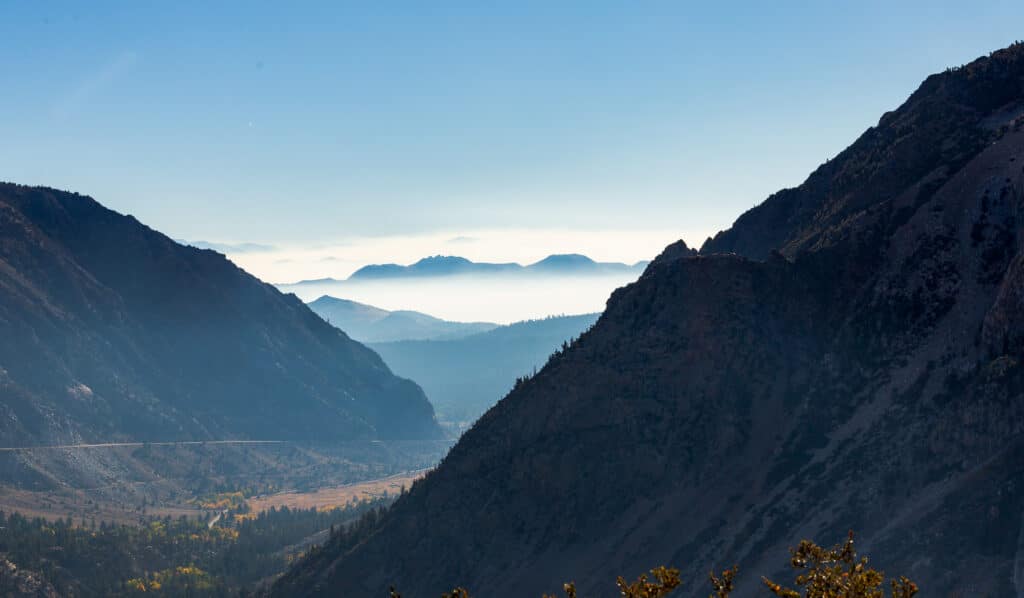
(368, 324)
(572, 264)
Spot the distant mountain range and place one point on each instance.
(464, 377)
(571, 264)
(111, 331)
(848, 355)
(457, 289)
(228, 247)
(368, 324)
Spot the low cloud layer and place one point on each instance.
(498, 299)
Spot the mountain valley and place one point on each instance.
(464, 377)
(706, 288)
(846, 356)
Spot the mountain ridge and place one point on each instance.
(465, 376)
(442, 265)
(113, 331)
(368, 324)
(847, 355)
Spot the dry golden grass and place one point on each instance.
(80, 506)
(83, 505)
(328, 498)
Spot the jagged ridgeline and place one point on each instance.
(112, 331)
(847, 355)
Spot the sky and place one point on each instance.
(384, 131)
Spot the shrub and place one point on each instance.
(826, 573)
(837, 573)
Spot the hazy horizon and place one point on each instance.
(500, 299)
(287, 264)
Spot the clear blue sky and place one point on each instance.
(288, 122)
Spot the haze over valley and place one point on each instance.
(506, 300)
(454, 288)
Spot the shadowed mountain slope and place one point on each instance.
(853, 363)
(111, 331)
(463, 377)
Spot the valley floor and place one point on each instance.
(134, 482)
(165, 537)
(77, 504)
(326, 498)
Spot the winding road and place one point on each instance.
(11, 449)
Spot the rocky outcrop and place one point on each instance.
(675, 251)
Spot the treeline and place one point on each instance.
(169, 556)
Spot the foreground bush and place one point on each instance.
(836, 572)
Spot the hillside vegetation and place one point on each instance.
(165, 557)
(112, 332)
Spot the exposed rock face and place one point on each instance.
(675, 251)
(847, 356)
(111, 331)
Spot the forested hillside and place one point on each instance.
(111, 331)
(166, 557)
